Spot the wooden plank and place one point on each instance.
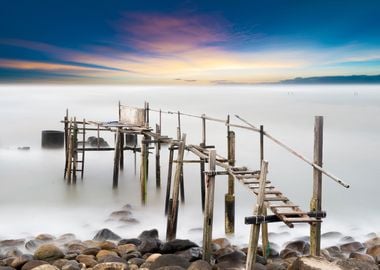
(116, 162)
(209, 209)
(274, 199)
(169, 179)
(229, 199)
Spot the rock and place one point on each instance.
(127, 248)
(149, 246)
(199, 265)
(32, 264)
(45, 267)
(129, 220)
(88, 260)
(372, 242)
(177, 245)
(223, 251)
(60, 263)
(351, 247)
(289, 253)
(66, 237)
(149, 234)
(153, 257)
(111, 258)
(19, 261)
(362, 257)
(222, 242)
(121, 214)
(347, 239)
(106, 234)
(272, 252)
(6, 268)
(91, 251)
(48, 252)
(133, 254)
(71, 265)
(70, 256)
(332, 235)
(110, 266)
(276, 266)
(374, 251)
(13, 252)
(312, 263)
(191, 254)
(95, 141)
(12, 243)
(45, 237)
(235, 259)
(335, 252)
(91, 243)
(32, 245)
(300, 246)
(354, 264)
(76, 248)
(107, 245)
(169, 260)
(104, 253)
(174, 267)
(134, 241)
(136, 261)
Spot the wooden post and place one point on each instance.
(121, 151)
(202, 163)
(173, 214)
(178, 125)
(158, 150)
(169, 182)
(255, 228)
(116, 162)
(264, 226)
(229, 199)
(75, 150)
(144, 168)
(66, 123)
(209, 209)
(316, 201)
(69, 151)
(83, 147)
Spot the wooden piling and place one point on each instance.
(116, 162)
(158, 165)
(121, 152)
(75, 151)
(255, 229)
(202, 163)
(264, 226)
(83, 148)
(144, 168)
(69, 152)
(209, 208)
(316, 201)
(173, 212)
(229, 209)
(178, 125)
(169, 179)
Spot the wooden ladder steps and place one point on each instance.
(299, 219)
(246, 172)
(247, 176)
(273, 192)
(275, 199)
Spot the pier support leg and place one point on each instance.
(316, 201)
(203, 186)
(173, 211)
(116, 161)
(209, 209)
(158, 165)
(229, 216)
(66, 124)
(144, 168)
(169, 181)
(255, 229)
(264, 226)
(121, 151)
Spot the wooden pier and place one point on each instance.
(133, 125)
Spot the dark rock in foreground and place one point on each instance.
(106, 234)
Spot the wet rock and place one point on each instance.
(106, 234)
(111, 258)
(177, 245)
(45, 267)
(169, 260)
(76, 248)
(91, 243)
(48, 252)
(224, 251)
(13, 252)
(45, 237)
(136, 261)
(60, 263)
(95, 141)
(372, 242)
(107, 245)
(276, 266)
(88, 260)
(355, 264)
(12, 243)
(121, 214)
(149, 246)
(235, 259)
(374, 251)
(71, 265)
(351, 247)
(149, 234)
(362, 257)
(300, 246)
(312, 263)
(110, 266)
(347, 239)
(332, 235)
(32, 245)
(32, 264)
(134, 241)
(104, 253)
(153, 257)
(127, 248)
(289, 253)
(70, 256)
(200, 265)
(191, 254)
(91, 251)
(222, 242)
(6, 268)
(271, 251)
(19, 261)
(335, 252)
(133, 254)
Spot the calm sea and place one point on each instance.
(35, 199)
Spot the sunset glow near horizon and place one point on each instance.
(186, 42)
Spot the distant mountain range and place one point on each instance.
(353, 79)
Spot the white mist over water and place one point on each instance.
(35, 199)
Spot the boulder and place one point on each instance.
(149, 245)
(134, 241)
(59, 263)
(107, 245)
(44, 237)
(300, 246)
(12, 243)
(355, 264)
(88, 260)
(110, 266)
(111, 258)
(191, 254)
(335, 252)
(91, 251)
(71, 265)
(289, 253)
(136, 261)
(313, 263)
(32, 245)
(222, 242)
(32, 264)
(200, 265)
(127, 248)
(374, 251)
(133, 254)
(76, 248)
(372, 242)
(106, 234)
(362, 257)
(45, 267)
(6, 268)
(177, 245)
(19, 261)
(351, 247)
(169, 260)
(48, 252)
(103, 253)
(153, 257)
(149, 234)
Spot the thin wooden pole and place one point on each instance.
(144, 168)
(169, 181)
(173, 214)
(255, 228)
(264, 226)
(209, 209)
(66, 122)
(158, 166)
(178, 125)
(316, 201)
(75, 151)
(229, 213)
(69, 151)
(83, 147)
(116, 162)
(121, 152)
(202, 163)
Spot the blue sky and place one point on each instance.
(191, 42)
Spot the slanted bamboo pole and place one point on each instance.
(116, 163)
(264, 226)
(229, 199)
(255, 229)
(169, 179)
(202, 163)
(173, 214)
(209, 208)
(316, 201)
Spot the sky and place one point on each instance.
(186, 42)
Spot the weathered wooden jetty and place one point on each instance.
(133, 125)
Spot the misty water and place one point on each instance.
(35, 199)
